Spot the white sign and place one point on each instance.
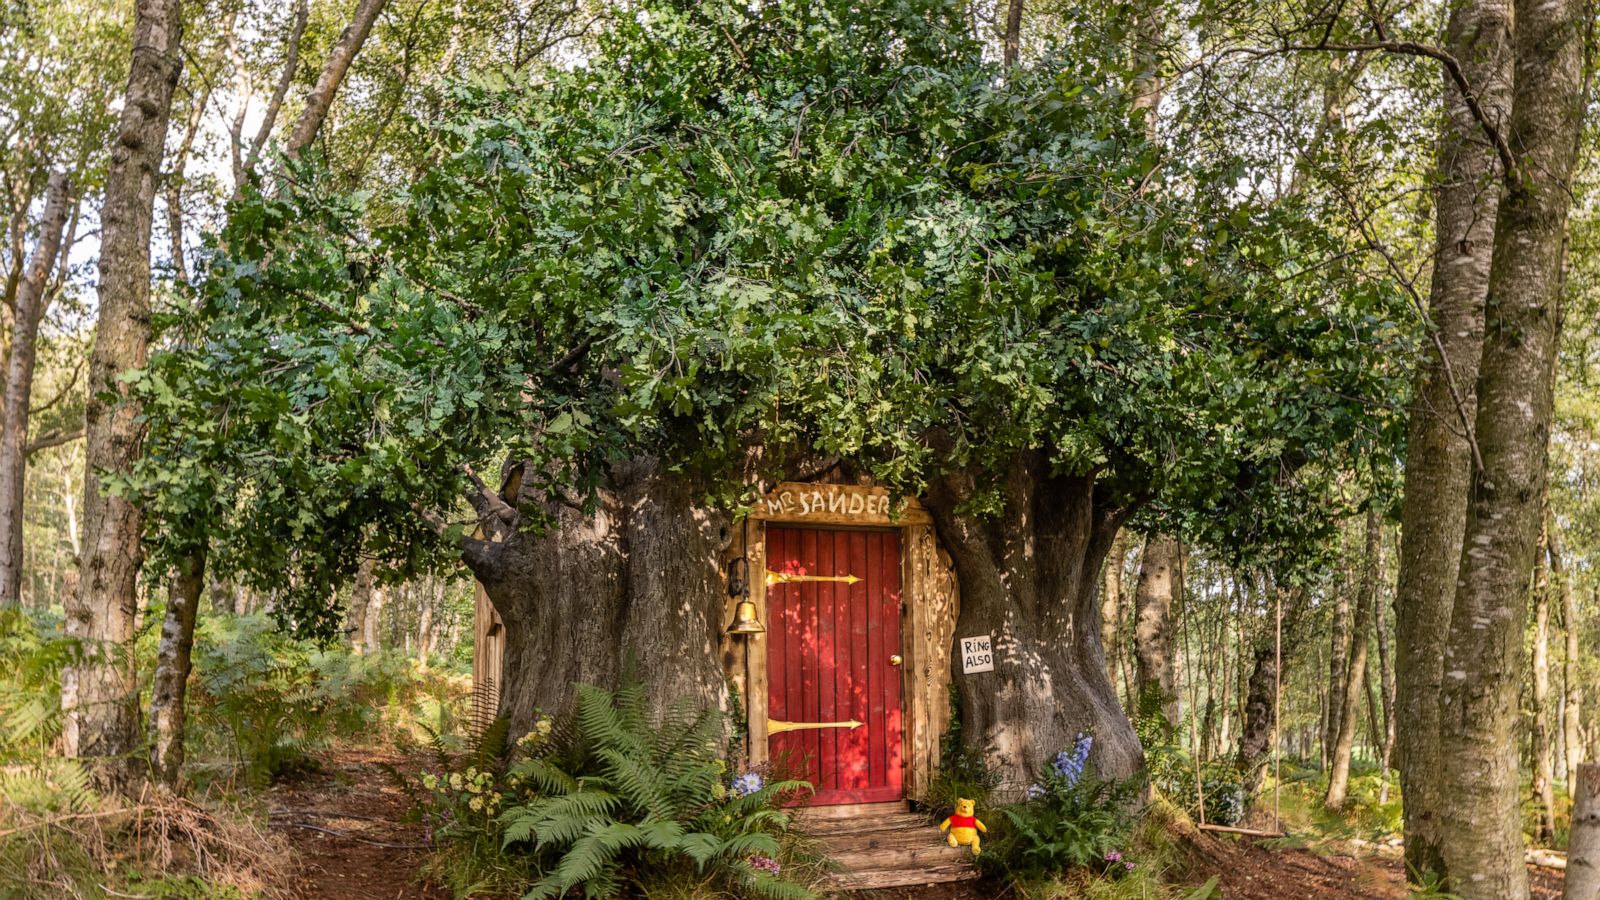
(977, 654)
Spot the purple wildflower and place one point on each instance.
(765, 864)
(747, 784)
(1114, 856)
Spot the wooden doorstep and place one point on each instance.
(883, 845)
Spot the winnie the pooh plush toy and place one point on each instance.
(964, 826)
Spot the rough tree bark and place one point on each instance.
(1028, 577)
(320, 100)
(167, 690)
(637, 582)
(1355, 674)
(1477, 754)
(1572, 709)
(99, 695)
(1439, 457)
(1154, 656)
(32, 298)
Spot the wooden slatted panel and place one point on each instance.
(829, 652)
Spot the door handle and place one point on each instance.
(895, 660)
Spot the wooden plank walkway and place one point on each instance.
(884, 845)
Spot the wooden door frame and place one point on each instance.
(845, 506)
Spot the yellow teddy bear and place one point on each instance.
(964, 826)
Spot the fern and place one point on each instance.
(617, 796)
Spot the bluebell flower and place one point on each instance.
(746, 784)
(1035, 791)
(1070, 765)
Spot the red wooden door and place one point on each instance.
(833, 645)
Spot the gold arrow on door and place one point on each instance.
(777, 726)
(785, 578)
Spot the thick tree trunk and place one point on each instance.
(31, 301)
(636, 583)
(1477, 761)
(1111, 604)
(1572, 681)
(1544, 764)
(1153, 638)
(1028, 578)
(1260, 706)
(320, 100)
(1349, 704)
(1583, 849)
(1438, 456)
(169, 688)
(99, 695)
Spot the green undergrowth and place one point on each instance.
(611, 798)
(260, 705)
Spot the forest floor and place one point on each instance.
(345, 822)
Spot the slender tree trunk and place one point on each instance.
(1153, 639)
(1028, 578)
(1477, 762)
(1583, 849)
(372, 636)
(285, 78)
(169, 688)
(360, 600)
(320, 100)
(1338, 670)
(424, 627)
(1260, 720)
(1544, 770)
(1386, 697)
(1013, 32)
(1572, 681)
(1439, 459)
(31, 302)
(1111, 604)
(99, 694)
(1349, 703)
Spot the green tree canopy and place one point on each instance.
(813, 227)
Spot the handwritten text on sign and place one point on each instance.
(828, 499)
(977, 654)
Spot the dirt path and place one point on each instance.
(346, 824)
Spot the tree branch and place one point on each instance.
(54, 439)
(1452, 66)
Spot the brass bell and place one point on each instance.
(744, 619)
